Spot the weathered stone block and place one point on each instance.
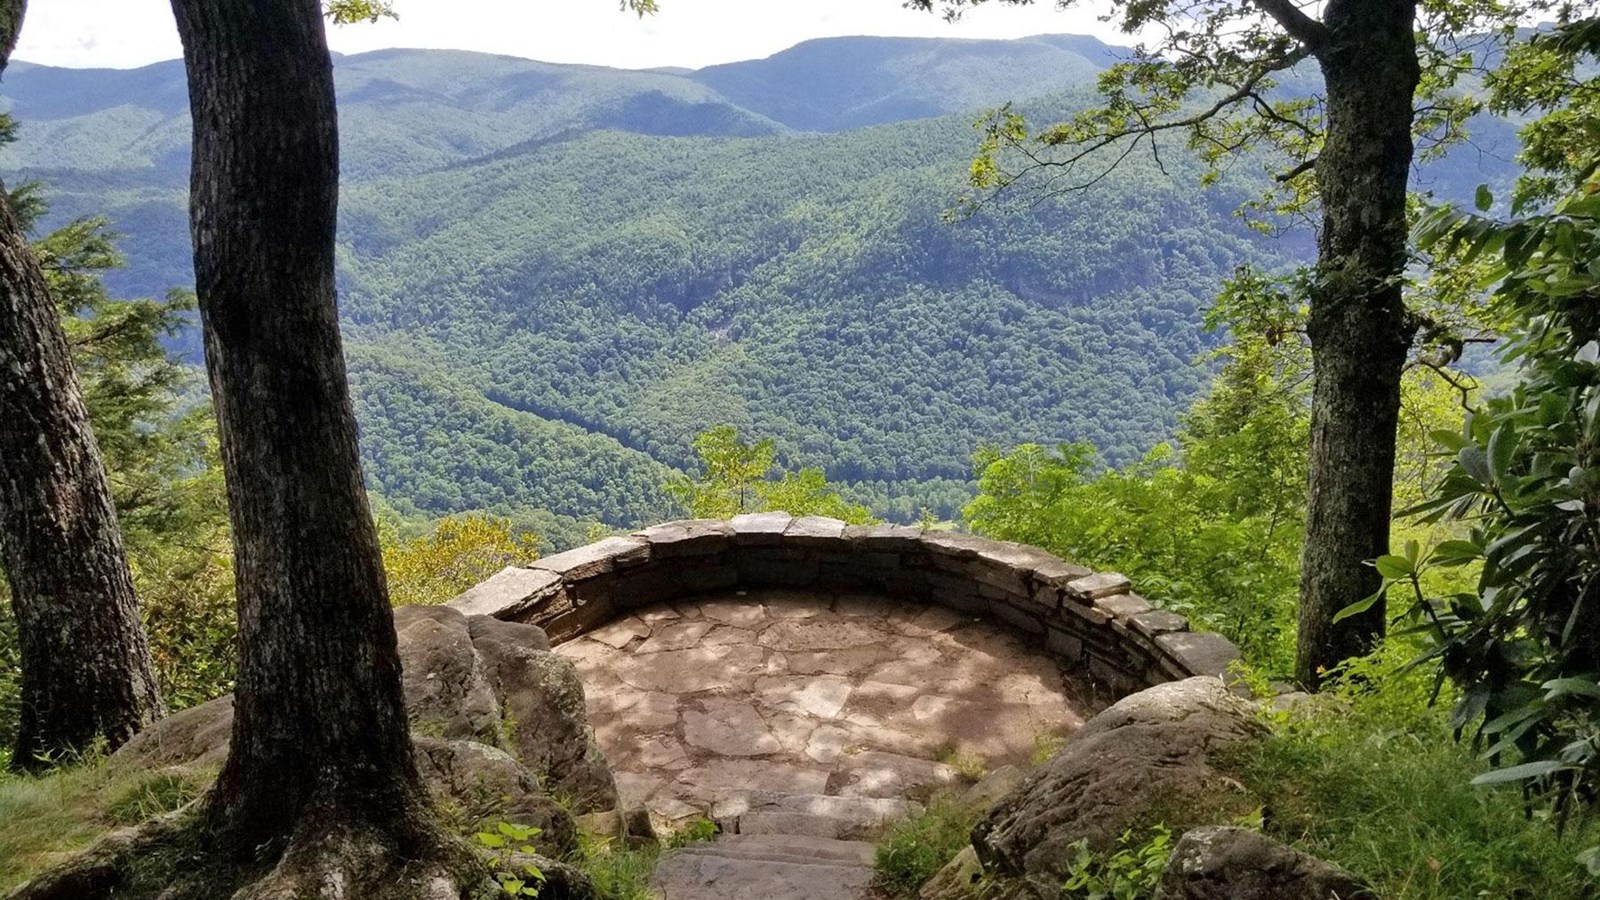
(814, 531)
(775, 567)
(1019, 619)
(1199, 652)
(644, 587)
(697, 579)
(690, 537)
(597, 558)
(510, 593)
(1063, 643)
(884, 538)
(1057, 572)
(953, 544)
(1092, 615)
(1158, 621)
(577, 620)
(1100, 584)
(1123, 606)
(760, 529)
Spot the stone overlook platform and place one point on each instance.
(1090, 621)
(804, 682)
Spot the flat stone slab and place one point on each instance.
(729, 728)
(847, 696)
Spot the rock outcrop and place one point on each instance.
(499, 722)
(1146, 758)
(1226, 863)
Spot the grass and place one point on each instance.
(1373, 780)
(918, 847)
(45, 818)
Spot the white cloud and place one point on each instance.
(694, 33)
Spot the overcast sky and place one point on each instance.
(125, 33)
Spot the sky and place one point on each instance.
(690, 33)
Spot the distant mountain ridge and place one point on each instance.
(478, 104)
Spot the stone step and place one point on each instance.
(796, 847)
(814, 815)
(766, 867)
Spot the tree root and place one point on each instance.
(173, 858)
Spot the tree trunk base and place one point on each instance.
(173, 857)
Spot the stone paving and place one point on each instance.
(799, 692)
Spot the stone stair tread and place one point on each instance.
(815, 815)
(797, 846)
(693, 873)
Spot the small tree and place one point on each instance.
(735, 479)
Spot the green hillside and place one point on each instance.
(553, 277)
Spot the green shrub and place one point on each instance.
(1131, 872)
(918, 847)
(1368, 775)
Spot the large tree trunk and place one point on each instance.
(320, 768)
(1358, 325)
(86, 672)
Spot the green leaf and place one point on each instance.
(1394, 567)
(1357, 608)
(1520, 773)
(1502, 447)
(1475, 463)
(1483, 199)
(1557, 687)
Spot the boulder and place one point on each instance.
(197, 735)
(1146, 758)
(447, 693)
(466, 679)
(958, 880)
(544, 720)
(1227, 863)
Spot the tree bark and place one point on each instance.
(320, 747)
(86, 668)
(1358, 325)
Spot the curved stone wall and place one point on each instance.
(1090, 619)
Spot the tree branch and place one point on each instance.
(1308, 31)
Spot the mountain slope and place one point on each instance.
(553, 277)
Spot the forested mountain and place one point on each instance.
(553, 277)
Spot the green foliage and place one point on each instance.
(617, 873)
(1552, 75)
(1522, 642)
(917, 847)
(457, 553)
(696, 832)
(1234, 83)
(736, 478)
(504, 842)
(1130, 872)
(1210, 528)
(153, 793)
(1368, 774)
